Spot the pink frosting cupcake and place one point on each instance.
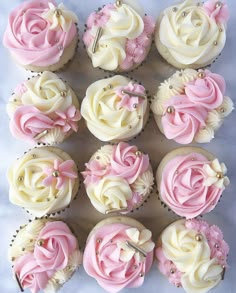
(191, 105)
(43, 109)
(118, 253)
(41, 35)
(118, 37)
(44, 255)
(192, 254)
(118, 178)
(190, 181)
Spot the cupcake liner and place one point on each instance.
(59, 212)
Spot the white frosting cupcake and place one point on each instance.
(43, 109)
(192, 34)
(115, 108)
(43, 181)
(44, 255)
(118, 37)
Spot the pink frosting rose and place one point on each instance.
(168, 268)
(184, 121)
(27, 122)
(30, 274)
(217, 10)
(130, 102)
(29, 38)
(58, 244)
(182, 186)
(208, 91)
(127, 163)
(102, 260)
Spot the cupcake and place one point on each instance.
(41, 35)
(118, 37)
(115, 109)
(190, 181)
(43, 181)
(191, 33)
(118, 253)
(44, 255)
(192, 254)
(43, 109)
(191, 105)
(118, 178)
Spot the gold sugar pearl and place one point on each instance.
(56, 173)
(172, 271)
(217, 246)
(220, 30)
(110, 86)
(138, 153)
(198, 237)
(222, 110)
(99, 240)
(174, 9)
(219, 175)
(33, 156)
(63, 93)
(58, 12)
(170, 109)
(118, 3)
(141, 275)
(201, 74)
(40, 242)
(21, 178)
(218, 4)
(170, 87)
(184, 13)
(97, 157)
(215, 43)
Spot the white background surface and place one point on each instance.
(82, 145)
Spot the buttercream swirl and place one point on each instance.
(188, 36)
(114, 265)
(34, 40)
(104, 116)
(33, 188)
(187, 188)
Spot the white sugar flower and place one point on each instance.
(142, 240)
(60, 16)
(216, 172)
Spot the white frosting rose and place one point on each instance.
(109, 193)
(26, 178)
(180, 246)
(105, 118)
(188, 37)
(204, 276)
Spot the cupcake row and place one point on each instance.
(118, 179)
(118, 254)
(42, 35)
(190, 106)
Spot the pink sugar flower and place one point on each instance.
(59, 173)
(94, 172)
(217, 10)
(68, 120)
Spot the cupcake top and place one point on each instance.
(118, 178)
(115, 108)
(192, 254)
(43, 109)
(192, 33)
(191, 105)
(118, 36)
(38, 32)
(43, 181)
(44, 255)
(191, 181)
(118, 254)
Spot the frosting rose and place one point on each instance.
(183, 120)
(26, 179)
(27, 122)
(207, 91)
(104, 117)
(175, 35)
(183, 186)
(109, 193)
(114, 265)
(58, 244)
(30, 274)
(127, 163)
(217, 10)
(30, 38)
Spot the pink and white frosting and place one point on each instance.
(43, 181)
(126, 36)
(38, 32)
(45, 261)
(118, 177)
(190, 106)
(191, 185)
(43, 109)
(192, 254)
(113, 264)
